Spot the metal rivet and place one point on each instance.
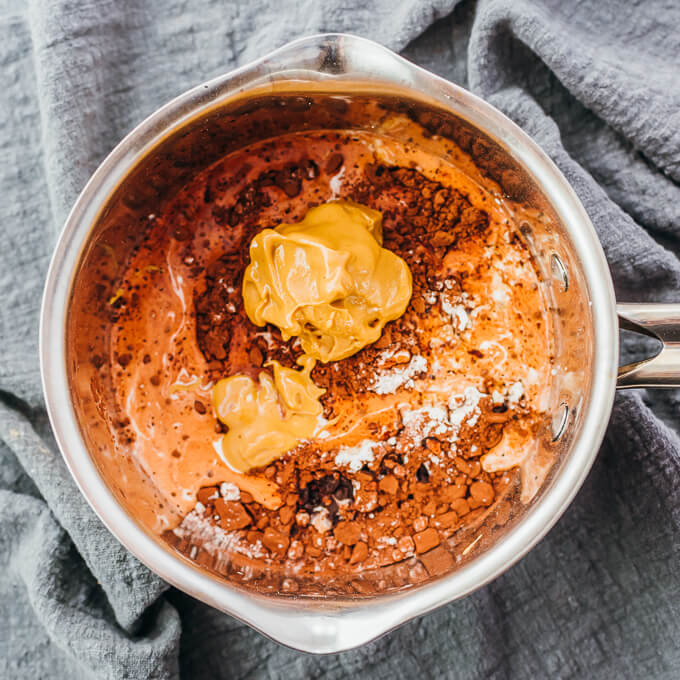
(559, 421)
(559, 271)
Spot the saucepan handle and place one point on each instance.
(661, 321)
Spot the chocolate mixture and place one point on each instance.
(413, 415)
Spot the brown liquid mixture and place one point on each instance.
(430, 428)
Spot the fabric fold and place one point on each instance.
(596, 84)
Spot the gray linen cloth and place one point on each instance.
(596, 83)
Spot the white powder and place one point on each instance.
(468, 411)
(515, 392)
(229, 491)
(355, 457)
(497, 397)
(424, 421)
(200, 508)
(384, 356)
(442, 420)
(389, 381)
(459, 316)
(472, 420)
(320, 520)
(430, 297)
(215, 540)
(461, 319)
(499, 291)
(418, 364)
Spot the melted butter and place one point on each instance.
(269, 417)
(327, 280)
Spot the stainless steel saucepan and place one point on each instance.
(335, 82)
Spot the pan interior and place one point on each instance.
(198, 143)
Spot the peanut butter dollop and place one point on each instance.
(269, 417)
(327, 280)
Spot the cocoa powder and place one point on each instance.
(416, 492)
(392, 492)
